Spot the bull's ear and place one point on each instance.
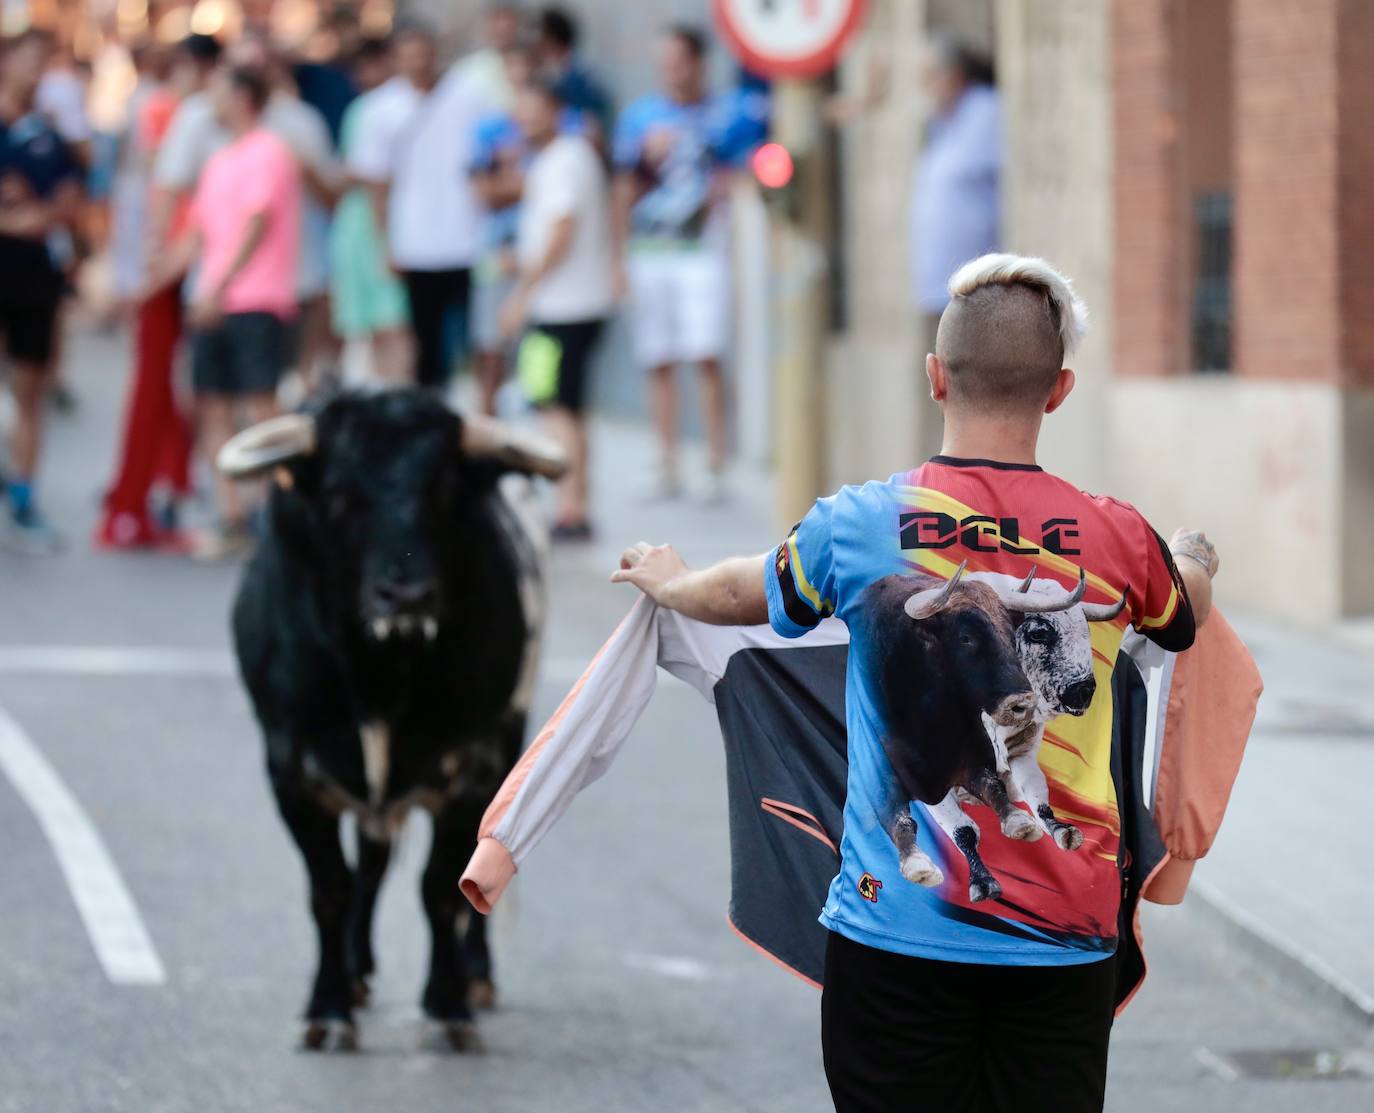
(485, 438)
(267, 445)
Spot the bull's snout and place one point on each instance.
(403, 608)
(1078, 696)
(1016, 710)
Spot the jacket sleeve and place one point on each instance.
(1212, 697)
(572, 750)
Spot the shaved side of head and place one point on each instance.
(1010, 323)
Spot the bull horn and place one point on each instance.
(1024, 586)
(263, 446)
(1105, 612)
(923, 604)
(486, 438)
(1039, 604)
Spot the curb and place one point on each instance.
(1289, 961)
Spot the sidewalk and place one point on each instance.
(1289, 867)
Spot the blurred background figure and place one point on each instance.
(956, 193)
(411, 147)
(244, 239)
(367, 300)
(486, 66)
(40, 195)
(155, 447)
(564, 290)
(577, 85)
(670, 232)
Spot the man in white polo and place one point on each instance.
(412, 147)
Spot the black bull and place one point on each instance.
(944, 656)
(381, 634)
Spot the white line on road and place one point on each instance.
(112, 921)
(168, 661)
(114, 660)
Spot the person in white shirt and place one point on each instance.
(412, 148)
(565, 290)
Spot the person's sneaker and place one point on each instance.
(226, 541)
(714, 489)
(564, 533)
(28, 533)
(664, 486)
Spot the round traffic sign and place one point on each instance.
(788, 38)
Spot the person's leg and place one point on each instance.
(490, 350)
(393, 356)
(900, 1033)
(567, 424)
(457, 319)
(28, 324)
(702, 293)
(215, 424)
(1047, 1038)
(655, 317)
(426, 293)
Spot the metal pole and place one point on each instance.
(801, 305)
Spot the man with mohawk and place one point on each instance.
(933, 1000)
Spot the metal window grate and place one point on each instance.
(1212, 283)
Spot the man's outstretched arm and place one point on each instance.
(1197, 563)
(730, 593)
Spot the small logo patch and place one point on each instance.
(868, 888)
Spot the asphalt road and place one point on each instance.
(621, 986)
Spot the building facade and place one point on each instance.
(1200, 168)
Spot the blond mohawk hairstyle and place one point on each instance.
(1001, 269)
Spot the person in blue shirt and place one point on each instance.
(40, 193)
(671, 231)
(576, 86)
(975, 910)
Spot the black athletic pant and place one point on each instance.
(913, 1034)
(435, 296)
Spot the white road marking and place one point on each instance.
(169, 661)
(114, 660)
(112, 921)
(670, 966)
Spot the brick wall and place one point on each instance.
(1288, 308)
(1149, 336)
(1355, 227)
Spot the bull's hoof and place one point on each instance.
(920, 870)
(1017, 824)
(481, 993)
(1068, 837)
(362, 993)
(984, 888)
(329, 1034)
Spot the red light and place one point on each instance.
(772, 165)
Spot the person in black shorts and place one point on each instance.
(40, 191)
(565, 289)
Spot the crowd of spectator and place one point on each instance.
(265, 218)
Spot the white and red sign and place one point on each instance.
(788, 38)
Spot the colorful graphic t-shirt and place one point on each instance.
(986, 603)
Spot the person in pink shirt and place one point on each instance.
(244, 234)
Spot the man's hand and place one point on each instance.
(730, 593)
(652, 569)
(207, 311)
(514, 310)
(1197, 563)
(1193, 544)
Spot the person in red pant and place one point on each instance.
(156, 446)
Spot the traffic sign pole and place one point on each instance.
(794, 42)
(801, 305)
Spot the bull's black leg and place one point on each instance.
(446, 992)
(373, 856)
(330, 1008)
(981, 884)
